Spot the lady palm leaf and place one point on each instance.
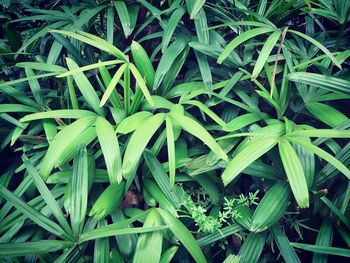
(145, 154)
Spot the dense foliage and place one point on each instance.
(158, 131)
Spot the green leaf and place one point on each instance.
(294, 172)
(326, 114)
(101, 249)
(205, 70)
(20, 96)
(110, 25)
(112, 84)
(72, 93)
(198, 4)
(126, 243)
(207, 111)
(287, 251)
(34, 86)
(41, 66)
(50, 129)
(270, 208)
(336, 211)
(158, 195)
(110, 198)
(143, 63)
(171, 151)
(167, 60)
(46, 194)
(198, 131)
(16, 108)
(162, 179)
(132, 122)
(242, 38)
(115, 96)
(179, 109)
(89, 67)
(321, 133)
(252, 247)
(32, 248)
(324, 238)
(219, 234)
(159, 103)
(94, 41)
(79, 186)
(116, 257)
(168, 254)
(124, 17)
(142, 84)
(201, 25)
(265, 53)
(323, 154)
(63, 177)
(170, 28)
(65, 141)
(116, 229)
(149, 245)
(19, 191)
(322, 81)
(317, 44)
(183, 234)
(57, 114)
(342, 252)
(139, 141)
(110, 149)
(241, 122)
(232, 259)
(33, 215)
(246, 156)
(119, 228)
(17, 81)
(307, 160)
(85, 87)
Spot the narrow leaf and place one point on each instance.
(110, 149)
(139, 141)
(183, 234)
(265, 53)
(294, 172)
(198, 131)
(246, 156)
(242, 38)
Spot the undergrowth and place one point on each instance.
(174, 131)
